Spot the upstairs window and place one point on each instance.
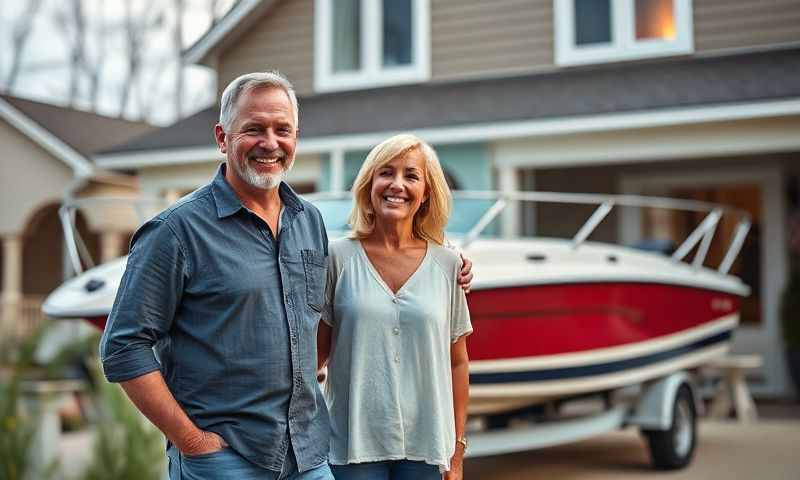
(369, 43)
(595, 31)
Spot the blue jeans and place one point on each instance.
(226, 464)
(389, 470)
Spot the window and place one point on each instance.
(369, 43)
(594, 31)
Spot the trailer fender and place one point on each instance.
(653, 410)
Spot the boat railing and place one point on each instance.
(703, 234)
(78, 252)
(605, 204)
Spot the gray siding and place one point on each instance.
(476, 37)
(720, 24)
(282, 40)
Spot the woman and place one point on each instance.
(395, 325)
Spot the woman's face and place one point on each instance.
(398, 188)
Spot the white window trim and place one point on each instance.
(624, 45)
(372, 73)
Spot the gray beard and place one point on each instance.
(263, 181)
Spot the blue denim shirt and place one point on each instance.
(233, 317)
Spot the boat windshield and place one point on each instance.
(465, 215)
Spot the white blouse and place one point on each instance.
(389, 387)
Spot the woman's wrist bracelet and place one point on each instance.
(463, 442)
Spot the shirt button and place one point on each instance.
(395, 300)
(397, 358)
(396, 331)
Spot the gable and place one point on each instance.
(46, 140)
(32, 177)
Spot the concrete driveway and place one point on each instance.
(727, 450)
(767, 450)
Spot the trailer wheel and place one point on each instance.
(673, 448)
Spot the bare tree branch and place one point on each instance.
(77, 60)
(215, 12)
(137, 30)
(177, 38)
(95, 69)
(132, 43)
(1, 50)
(22, 30)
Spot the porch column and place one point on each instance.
(110, 245)
(508, 182)
(337, 171)
(529, 208)
(12, 281)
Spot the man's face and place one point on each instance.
(261, 143)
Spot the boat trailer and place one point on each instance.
(665, 411)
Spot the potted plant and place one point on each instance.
(790, 317)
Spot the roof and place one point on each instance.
(563, 94)
(85, 132)
(242, 15)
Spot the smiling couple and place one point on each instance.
(215, 334)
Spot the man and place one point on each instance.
(228, 285)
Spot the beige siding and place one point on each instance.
(720, 24)
(31, 178)
(155, 181)
(283, 40)
(476, 37)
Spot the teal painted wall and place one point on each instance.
(324, 180)
(468, 164)
(352, 164)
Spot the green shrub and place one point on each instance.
(17, 429)
(16, 434)
(126, 445)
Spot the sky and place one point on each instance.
(45, 74)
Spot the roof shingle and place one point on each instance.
(613, 88)
(85, 132)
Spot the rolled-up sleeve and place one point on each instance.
(147, 298)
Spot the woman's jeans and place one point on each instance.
(389, 470)
(226, 464)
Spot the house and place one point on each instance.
(46, 153)
(695, 99)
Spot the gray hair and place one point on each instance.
(250, 81)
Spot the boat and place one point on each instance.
(554, 318)
(560, 318)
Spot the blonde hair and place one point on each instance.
(431, 218)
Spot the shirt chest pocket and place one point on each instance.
(314, 269)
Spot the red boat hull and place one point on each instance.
(537, 343)
(556, 319)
